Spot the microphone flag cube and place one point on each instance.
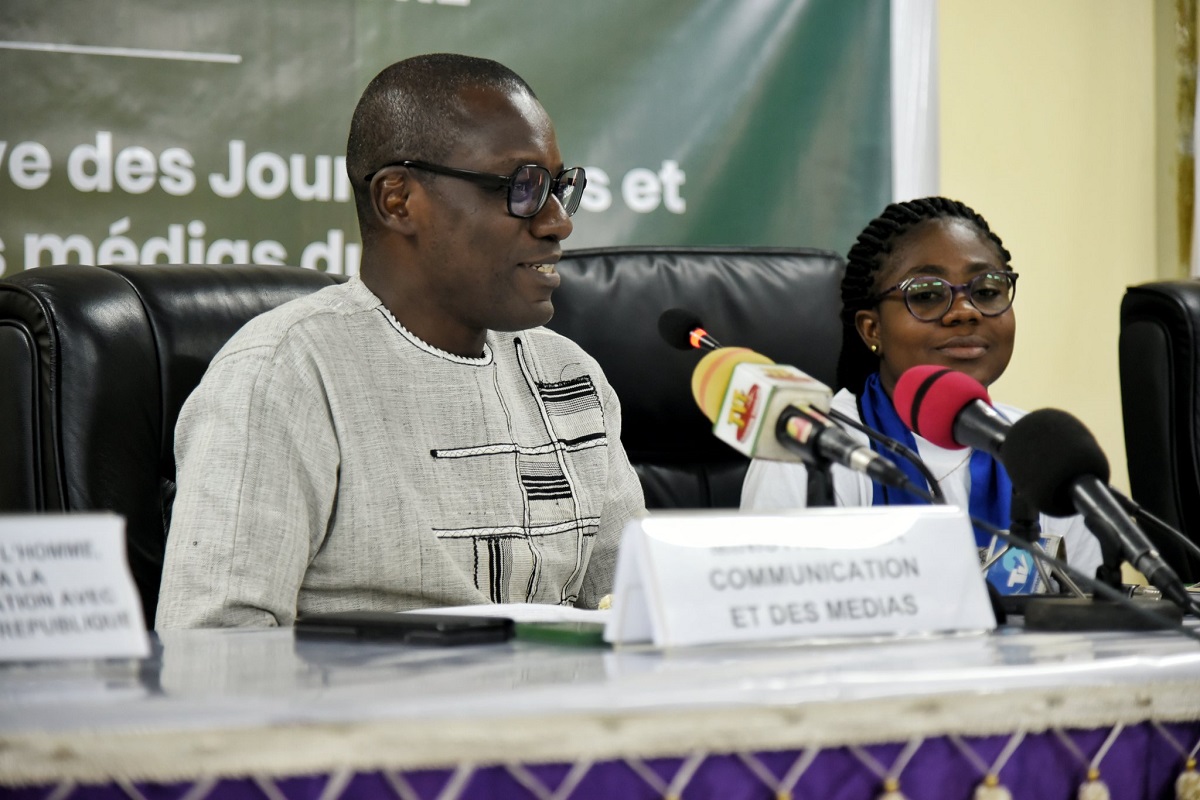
(756, 396)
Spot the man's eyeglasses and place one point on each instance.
(529, 186)
(929, 298)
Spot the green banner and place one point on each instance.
(138, 131)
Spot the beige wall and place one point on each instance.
(1048, 130)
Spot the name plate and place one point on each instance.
(66, 591)
(714, 577)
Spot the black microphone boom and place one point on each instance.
(818, 441)
(1053, 458)
(1144, 516)
(1101, 510)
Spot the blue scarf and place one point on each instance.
(991, 489)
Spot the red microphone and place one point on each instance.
(950, 409)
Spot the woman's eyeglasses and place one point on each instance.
(929, 298)
(529, 186)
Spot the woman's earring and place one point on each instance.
(875, 349)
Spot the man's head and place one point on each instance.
(453, 252)
(413, 110)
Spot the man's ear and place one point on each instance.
(866, 322)
(391, 196)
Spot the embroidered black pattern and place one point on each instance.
(497, 575)
(546, 488)
(569, 397)
(579, 440)
(571, 419)
(544, 480)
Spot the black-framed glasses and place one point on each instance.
(529, 185)
(929, 298)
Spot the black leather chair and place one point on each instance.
(783, 303)
(99, 360)
(1160, 399)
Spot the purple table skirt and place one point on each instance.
(1141, 762)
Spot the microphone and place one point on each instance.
(683, 330)
(776, 412)
(1051, 457)
(1057, 462)
(950, 409)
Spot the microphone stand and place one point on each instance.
(1109, 571)
(1108, 608)
(820, 478)
(1115, 612)
(1023, 519)
(1025, 526)
(820, 486)
(1083, 613)
(1149, 616)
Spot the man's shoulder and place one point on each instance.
(547, 344)
(324, 308)
(544, 337)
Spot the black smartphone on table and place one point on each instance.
(408, 628)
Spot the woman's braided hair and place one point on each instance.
(866, 258)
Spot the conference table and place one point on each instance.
(259, 713)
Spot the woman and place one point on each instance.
(927, 282)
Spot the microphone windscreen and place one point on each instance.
(711, 377)
(929, 398)
(675, 326)
(1045, 452)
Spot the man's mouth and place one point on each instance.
(545, 269)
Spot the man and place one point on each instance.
(411, 438)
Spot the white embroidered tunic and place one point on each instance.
(330, 460)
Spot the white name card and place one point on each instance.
(713, 577)
(66, 590)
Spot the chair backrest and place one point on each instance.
(783, 303)
(98, 362)
(100, 359)
(1160, 401)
